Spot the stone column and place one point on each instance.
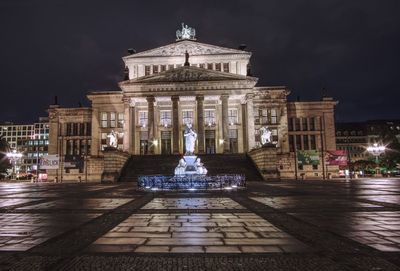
(151, 122)
(200, 123)
(250, 122)
(96, 135)
(225, 122)
(244, 127)
(127, 126)
(175, 123)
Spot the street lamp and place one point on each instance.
(14, 156)
(376, 150)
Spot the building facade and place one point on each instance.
(31, 140)
(205, 85)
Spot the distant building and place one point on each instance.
(355, 137)
(31, 140)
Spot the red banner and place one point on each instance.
(336, 158)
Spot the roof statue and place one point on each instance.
(187, 33)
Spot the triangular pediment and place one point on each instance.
(189, 74)
(194, 48)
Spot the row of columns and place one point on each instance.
(129, 127)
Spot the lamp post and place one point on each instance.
(376, 150)
(14, 156)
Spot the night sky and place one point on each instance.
(68, 48)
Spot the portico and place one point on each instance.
(158, 107)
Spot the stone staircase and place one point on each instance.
(165, 165)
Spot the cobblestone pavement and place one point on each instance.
(287, 225)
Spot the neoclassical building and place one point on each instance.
(191, 82)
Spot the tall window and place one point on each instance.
(209, 117)
(306, 146)
(104, 119)
(304, 124)
(273, 116)
(264, 116)
(103, 140)
(120, 120)
(187, 116)
(113, 120)
(170, 66)
(297, 124)
(155, 69)
(218, 67)
(209, 66)
(291, 143)
(202, 65)
(312, 124)
(313, 144)
(225, 67)
(290, 124)
(298, 142)
(143, 118)
(147, 70)
(165, 118)
(233, 116)
(163, 68)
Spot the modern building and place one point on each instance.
(205, 85)
(29, 139)
(355, 137)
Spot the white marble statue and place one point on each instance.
(186, 33)
(112, 139)
(265, 135)
(190, 139)
(180, 169)
(200, 167)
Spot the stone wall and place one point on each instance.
(265, 159)
(114, 160)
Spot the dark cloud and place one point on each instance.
(68, 48)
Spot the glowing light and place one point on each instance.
(154, 188)
(221, 141)
(192, 189)
(228, 188)
(234, 186)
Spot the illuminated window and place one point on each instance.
(187, 116)
(165, 118)
(112, 120)
(232, 116)
(143, 118)
(120, 120)
(104, 123)
(209, 117)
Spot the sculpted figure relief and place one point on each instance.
(265, 135)
(112, 139)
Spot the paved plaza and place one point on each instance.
(286, 225)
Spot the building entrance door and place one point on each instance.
(165, 142)
(144, 143)
(210, 141)
(233, 140)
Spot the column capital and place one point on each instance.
(200, 98)
(128, 101)
(249, 96)
(224, 96)
(175, 98)
(150, 99)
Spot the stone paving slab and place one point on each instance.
(80, 203)
(380, 230)
(198, 233)
(20, 232)
(192, 203)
